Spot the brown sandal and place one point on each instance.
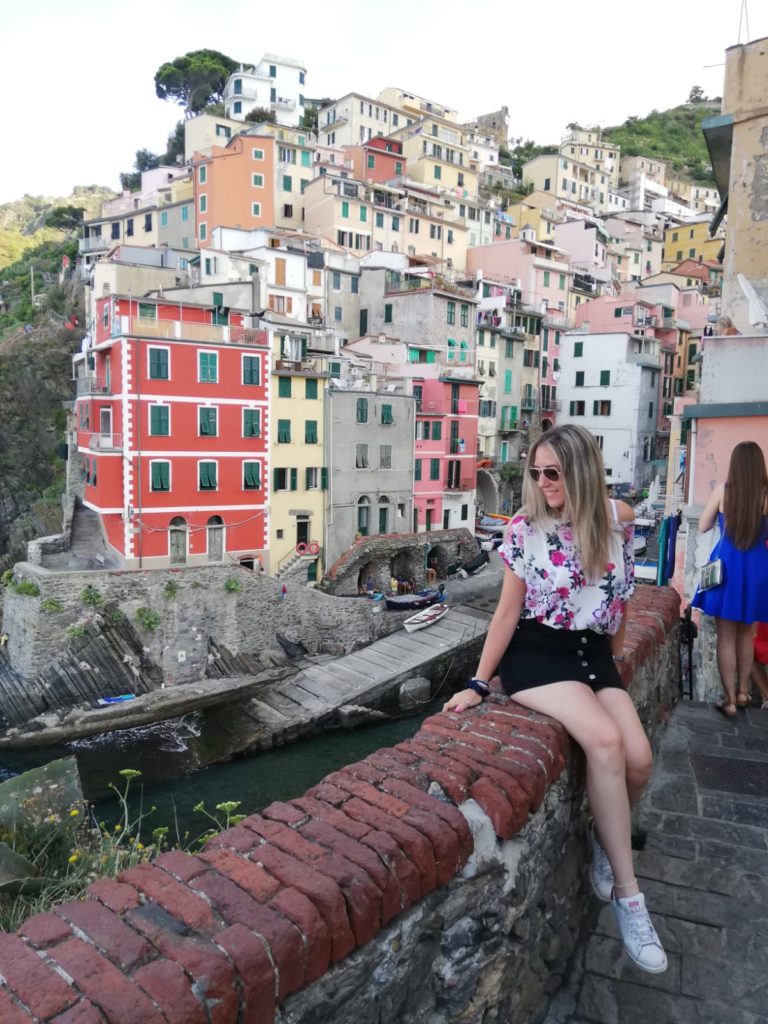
(742, 700)
(726, 707)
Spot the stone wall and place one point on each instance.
(193, 604)
(438, 881)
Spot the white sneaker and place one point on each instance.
(600, 871)
(641, 943)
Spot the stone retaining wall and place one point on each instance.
(438, 881)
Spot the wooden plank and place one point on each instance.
(308, 700)
(319, 689)
(277, 700)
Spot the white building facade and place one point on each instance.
(277, 84)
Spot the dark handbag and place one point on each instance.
(712, 575)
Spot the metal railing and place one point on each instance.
(95, 242)
(106, 442)
(92, 385)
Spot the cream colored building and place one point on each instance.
(207, 130)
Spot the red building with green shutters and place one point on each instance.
(172, 427)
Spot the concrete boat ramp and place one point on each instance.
(244, 713)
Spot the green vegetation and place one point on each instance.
(24, 587)
(77, 629)
(171, 589)
(90, 596)
(147, 618)
(50, 604)
(673, 136)
(232, 586)
(195, 79)
(31, 221)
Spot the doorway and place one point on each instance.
(215, 539)
(302, 531)
(105, 426)
(178, 541)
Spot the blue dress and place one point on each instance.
(743, 596)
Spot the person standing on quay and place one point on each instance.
(554, 639)
(740, 509)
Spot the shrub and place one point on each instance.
(171, 589)
(76, 629)
(90, 596)
(26, 588)
(50, 604)
(232, 586)
(147, 618)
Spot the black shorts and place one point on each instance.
(538, 655)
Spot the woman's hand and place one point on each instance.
(462, 701)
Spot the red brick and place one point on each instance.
(238, 838)
(289, 841)
(288, 814)
(173, 896)
(166, 983)
(249, 876)
(393, 767)
(327, 812)
(115, 895)
(396, 754)
(107, 932)
(36, 985)
(531, 779)
(354, 852)
(446, 720)
(296, 907)
(466, 737)
(390, 805)
(364, 772)
(102, 983)
(445, 842)
(45, 930)
(323, 892)
(330, 794)
(541, 757)
(10, 1012)
(435, 754)
(432, 805)
(398, 864)
(182, 866)
(212, 976)
(417, 847)
(450, 783)
(506, 822)
(282, 937)
(82, 1013)
(258, 982)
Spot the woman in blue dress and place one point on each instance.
(740, 509)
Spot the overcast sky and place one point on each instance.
(77, 95)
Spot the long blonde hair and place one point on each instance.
(597, 535)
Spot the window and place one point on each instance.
(437, 430)
(158, 363)
(251, 476)
(601, 408)
(203, 203)
(561, 282)
(576, 409)
(435, 231)
(207, 421)
(251, 370)
(413, 225)
(650, 410)
(163, 219)
(257, 180)
(284, 431)
(507, 382)
(208, 367)
(450, 236)
(451, 312)
(417, 469)
(345, 209)
(336, 281)
(464, 315)
(385, 456)
(285, 479)
(312, 478)
(160, 476)
(251, 423)
(578, 349)
(354, 285)
(207, 476)
(363, 213)
(434, 469)
(388, 313)
(287, 183)
(310, 387)
(237, 107)
(398, 163)
(438, 172)
(361, 456)
(362, 410)
(395, 223)
(185, 213)
(129, 226)
(579, 379)
(605, 378)
(379, 220)
(159, 420)
(148, 311)
(310, 431)
(386, 414)
(337, 314)
(284, 387)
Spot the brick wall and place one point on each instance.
(439, 880)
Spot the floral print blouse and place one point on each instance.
(557, 593)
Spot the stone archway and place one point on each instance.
(438, 558)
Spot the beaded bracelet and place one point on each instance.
(479, 686)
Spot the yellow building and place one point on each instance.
(690, 241)
(436, 154)
(299, 469)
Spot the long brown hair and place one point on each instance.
(745, 494)
(597, 537)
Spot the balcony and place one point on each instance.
(124, 326)
(513, 332)
(553, 405)
(529, 403)
(300, 367)
(92, 385)
(284, 103)
(459, 485)
(95, 243)
(106, 442)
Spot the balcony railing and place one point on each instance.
(300, 366)
(92, 385)
(123, 326)
(458, 485)
(529, 403)
(284, 102)
(106, 442)
(94, 242)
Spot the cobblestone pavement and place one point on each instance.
(704, 870)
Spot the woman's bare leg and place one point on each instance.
(726, 657)
(577, 708)
(637, 749)
(745, 655)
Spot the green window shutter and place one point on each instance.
(578, 348)
(310, 432)
(307, 478)
(252, 477)
(334, 369)
(379, 220)
(287, 183)
(251, 424)
(207, 475)
(417, 469)
(388, 313)
(207, 422)
(345, 209)
(284, 387)
(294, 479)
(250, 370)
(605, 377)
(431, 355)
(324, 478)
(507, 382)
(310, 389)
(161, 476)
(158, 364)
(596, 408)
(159, 420)
(362, 410)
(437, 430)
(209, 367)
(434, 469)
(284, 431)
(276, 480)
(218, 299)
(363, 213)
(386, 414)
(371, 160)
(513, 414)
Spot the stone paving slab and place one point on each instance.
(704, 871)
